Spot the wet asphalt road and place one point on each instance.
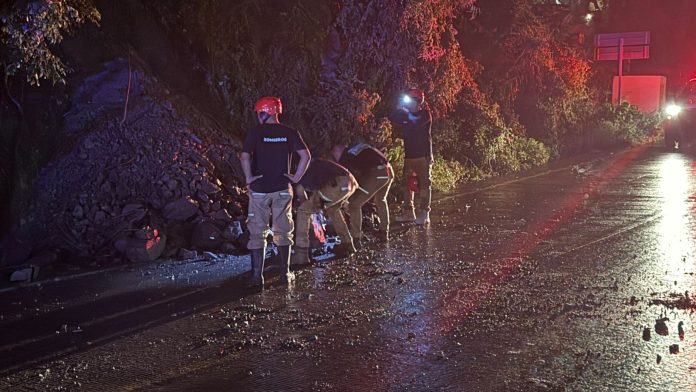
(578, 278)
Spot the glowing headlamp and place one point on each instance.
(406, 99)
(673, 110)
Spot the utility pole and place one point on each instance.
(621, 59)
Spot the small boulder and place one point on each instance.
(229, 247)
(222, 215)
(172, 185)
(26, 274)
(181, 209)
(206, 236)
(131, 208)
(146, 233)
(187, 254)
(208, 187)
(139, 250)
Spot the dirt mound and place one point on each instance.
(163, 179)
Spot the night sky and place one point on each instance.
(671, 23)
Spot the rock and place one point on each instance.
(181, 209)
(99, 216)
(25, 274)
(222, 215)
(208, 187)
(646, 334)
(229, 247)
(661, 326)
(156, 202)
(674, 349)
(146, 233)
(203, 197)
(106, 187)
(196, 139)
(139, 250)
(211, 256)
(206, 236)
(187, 254)
(88, 144)
(131, 208)
(229, 233)
(123, 191)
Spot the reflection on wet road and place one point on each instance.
(579, 279)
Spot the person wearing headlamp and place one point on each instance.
(412, 117)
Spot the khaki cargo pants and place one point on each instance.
(330, 198)
(266, 207)
(375, 183)
(423, 168)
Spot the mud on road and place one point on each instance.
(576, 279)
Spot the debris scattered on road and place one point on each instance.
(661, 326)
(674, 349)
(646, 334)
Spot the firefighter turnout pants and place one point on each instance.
(375, 183)
(330, 198)
(267, 207)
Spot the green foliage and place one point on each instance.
(626, 125)
(29, 33)
(507, 152)
(578, 123)
(569, 122)
(337, 66)
(339, 69)
(446, 173)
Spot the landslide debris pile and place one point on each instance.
(158, 184)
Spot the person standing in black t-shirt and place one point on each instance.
(330, 185)
(415, 122)
(375, 175)
(265, 158)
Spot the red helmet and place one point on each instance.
(270, 105)
(417, 95)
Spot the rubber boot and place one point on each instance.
(423, 218)
(257, 259)
(300, 257)
(409, 215)
(286, 277)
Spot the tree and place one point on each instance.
(29, 32)
(338, 64)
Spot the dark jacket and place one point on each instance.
(416, 132)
